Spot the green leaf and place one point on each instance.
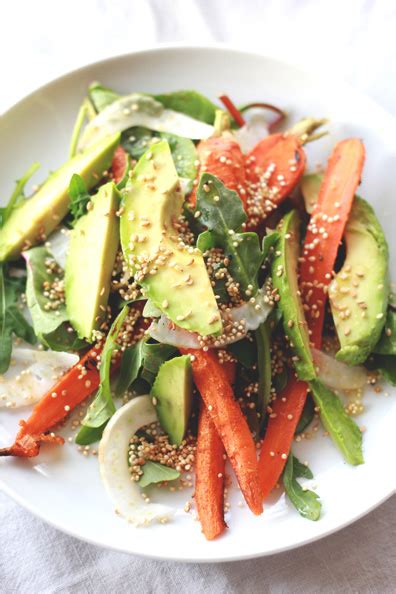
(154, 472)
(191, 103)
(88, 435)
(263, 334)
(79, 197)
(269, 242)
(343, 430)
(63, 339)
(385, 365)
(131, 364)
(307, 502)
(223, 214)
(307, 415)
(387, 343)
(18, 194)
(45, 319)
(102, 408)
(280, 380)
(245, 351)
(101, 96)
(137, 140)
(154, 355)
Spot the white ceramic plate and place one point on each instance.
(62, 486)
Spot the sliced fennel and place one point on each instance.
(113, 463)
(338, 375)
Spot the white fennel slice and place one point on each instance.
(338, 375)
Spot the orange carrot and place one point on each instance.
(222, 156)
(326, 228)
(211, 381)
(322, 241)
(209, 472)
(286, 412)
(119, 163)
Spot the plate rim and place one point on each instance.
(221, 47)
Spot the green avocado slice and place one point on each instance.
(172, 274)
(359, 292)
(34, 219)
(172, 393)
(90, 261)
(285, 280)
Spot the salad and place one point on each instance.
(184, 292)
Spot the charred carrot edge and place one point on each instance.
(209, 472)
(75, 386)
(232, 110)
(211, 382)
(335, 199)
(222, 156)
(118, 164)
(326, 228)
(286, 412)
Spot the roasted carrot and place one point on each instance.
(119, 164)
(222, 156)
(326, 228)
(215, 389)
(322, 241)
(209, 472)
(230, 370)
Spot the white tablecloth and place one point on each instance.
(43, 39)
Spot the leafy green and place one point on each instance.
(263, 334)
(63, 339)
(45, 319)
(222, 212)
(101, 96)
(343, 430)
(387, 342)
(136, 141)
(190, 103)
(385, 365)
(86, 111)
(131, 364)
(306, 502)
(18, 194)
(307, 415)
(102, 408)
(154, 472)
(11, 318)
(245, 351)
(280, 380)
(269, 241)
(79, 197)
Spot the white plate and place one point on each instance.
(62, 486)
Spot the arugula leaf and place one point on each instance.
(387, 342)
(191, 103)
(102, 408)
(154, 472)
(307, 415)
(79, 197)
(101, 96)
(11, 318)
(306, 502)
(343, 430)
(18, 194)
(221, 211)
(45, 319)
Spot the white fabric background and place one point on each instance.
(42, 39)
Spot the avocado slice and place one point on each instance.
(34, 219)
(90, 260)
(359, 292)
(173, 275)
(172, 393)
(285, 280)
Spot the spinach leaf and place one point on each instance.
(387, 342)
(11, 318)
(244, 351)
(136, 140)
(154, 472)
(221, 211)
(385, 365)
(306, 502)
(131, 364)
(39, 279)
(343, 430)
(191, 103)
(18, 194)
(307, 415)
(79, 197)
(280, 380)
(269, 241)
(102, 408)
(101, 96)
(155, 354)
(63, 339)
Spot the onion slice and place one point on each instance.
(255, 129)
(249, 315)
(338, 375)
(141, 110)
(113, 463)
(31, 374)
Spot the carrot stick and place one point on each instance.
(209, 472)
(211, 381)
(118, 164)
(326, 228)
(222, 156)
(331, 213)
(230, 370)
